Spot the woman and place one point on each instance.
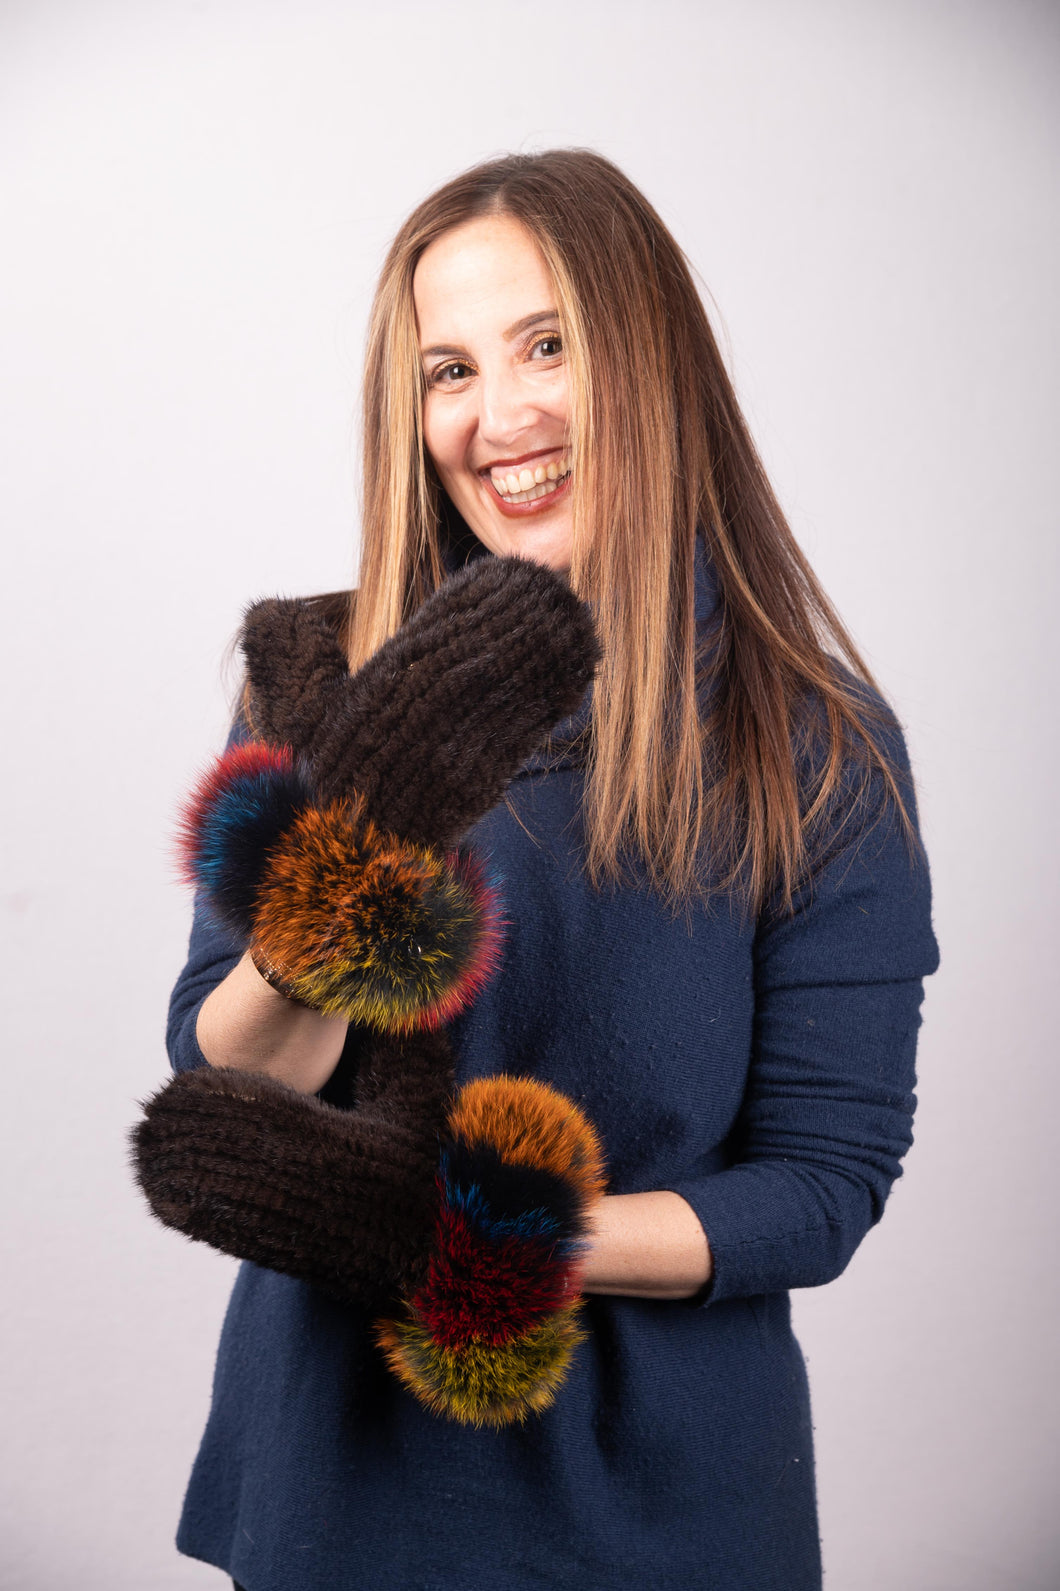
(718, 923)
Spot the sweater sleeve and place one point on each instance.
(827, 1112)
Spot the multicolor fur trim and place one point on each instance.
(240, 809)
(488, 1337)
(363, 924)
(334, 849)
(373, 928)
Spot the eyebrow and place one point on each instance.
(512, 332)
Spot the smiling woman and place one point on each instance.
(553, 992)
(495, 413)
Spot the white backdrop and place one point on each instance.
(195, 198)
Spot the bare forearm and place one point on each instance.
(246, 1024)
(646, 1245)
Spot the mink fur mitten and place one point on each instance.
(469, 1250)
(329, 846)
(343, 1199)
(431, 728)
(289, 846)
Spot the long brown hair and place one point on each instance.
(696, 750)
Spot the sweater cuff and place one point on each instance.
(756, 1244)
(186, 1056)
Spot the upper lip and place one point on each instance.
(496, 464)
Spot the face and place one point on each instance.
(496, 405)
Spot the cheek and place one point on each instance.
(432, 431)
(444, 435)
(559, 403)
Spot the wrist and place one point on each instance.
(245, 1024)
(273, 975)
(646, 1245)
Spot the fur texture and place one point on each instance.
(433, 727)
(487, 1337)
(366, 925)
(352, 896)
(297, 670)
(372, 928)
(333, 852)
(234, 818)
(344, 1200)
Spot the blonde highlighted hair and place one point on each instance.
(696, 746)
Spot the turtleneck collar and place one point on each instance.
(461, 547)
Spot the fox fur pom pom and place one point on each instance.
(237, 813)
(365, 925)
(374, 928)
(488, 1336)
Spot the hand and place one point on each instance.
(376, 924)
(331, 853)
(344, 1200)
(432, 727)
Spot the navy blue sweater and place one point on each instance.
(763, 1071)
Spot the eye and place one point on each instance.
(438, 376)
(552, 344)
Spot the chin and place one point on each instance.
(537, 544)
(554, 558)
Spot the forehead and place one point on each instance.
(479, 278)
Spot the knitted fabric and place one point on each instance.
(763, 1070)
(379, 926)
(430, 730)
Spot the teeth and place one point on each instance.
(545, 489)
(522, 485)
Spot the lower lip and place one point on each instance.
(525, 510)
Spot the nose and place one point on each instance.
(506, 411)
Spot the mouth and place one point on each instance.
(529, 488)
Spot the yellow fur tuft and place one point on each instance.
(478, 1384)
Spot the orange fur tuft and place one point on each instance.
(530, 1123)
